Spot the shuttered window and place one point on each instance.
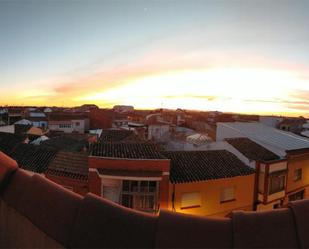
(191, 200)
(227, 194)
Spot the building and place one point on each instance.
(305, 129)
(271, 173)
(123, 108)
(284, 144)
(70, 170)
(294, 125)
(133, 174)
(68, 123)
(39, 121)
(158, 131)
(101, 119)
(209, 183)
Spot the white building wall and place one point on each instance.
(76, 125)
(158, 132)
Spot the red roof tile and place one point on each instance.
(69, 164)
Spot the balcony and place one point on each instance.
(37, 213)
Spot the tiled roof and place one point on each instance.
(116, 135)
(137, 150)
(192, 166)
(65, 143)
(69, 164)
(8, 141)
(252, 150)
(32, 157)
(21, 129)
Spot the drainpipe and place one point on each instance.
(173, 198)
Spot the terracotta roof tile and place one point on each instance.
(116, 135)
(65, 143)
(69, 164)
(33, 157)
(137, 150)
(9, 141)
(192, 166)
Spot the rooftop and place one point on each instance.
(32, 157)
(66, 143)
(252, 150)
(116, 135)
(193, 166)
(69, 164)
(131, 150)
(269, 135)
(8, 141)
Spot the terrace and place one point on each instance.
(37, 213)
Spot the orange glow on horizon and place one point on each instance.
(239, 90)
(243, 90)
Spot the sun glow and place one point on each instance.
(227, 89)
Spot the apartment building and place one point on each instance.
(209, 183)
(271, 173)
(68, 123)
(291, 148)
(133, 174)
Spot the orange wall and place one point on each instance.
(94, 183)
(210, 194)
(296, 162)
(79, 187)
(134, 165)
(129, 164)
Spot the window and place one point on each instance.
(275, 206)
(64, 125)
(297, 174)
(261, 182)
(227, 194)
(111, 193)
(77, 124)
(297, 196)
(276, 183)
(140, 195)
(191, 200)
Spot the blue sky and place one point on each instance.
(69, 52)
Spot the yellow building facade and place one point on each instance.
(217, 197)
(298, 175)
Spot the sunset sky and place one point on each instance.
(237, 56)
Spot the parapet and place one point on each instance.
(37, 213)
